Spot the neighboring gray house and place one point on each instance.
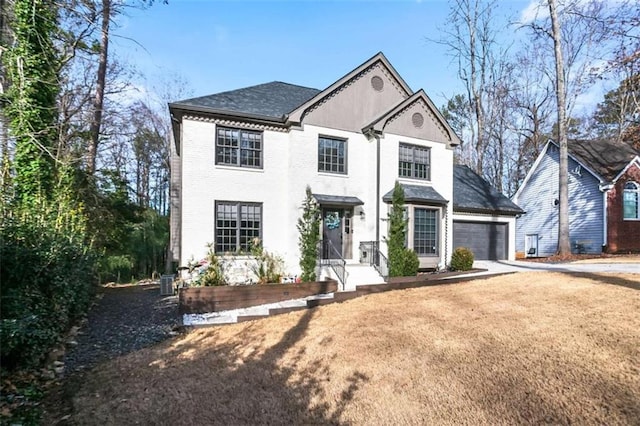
(484, 220)
(601, 172)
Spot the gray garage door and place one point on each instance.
(487, 241)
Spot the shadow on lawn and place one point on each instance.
(606, 279)
(198, 380)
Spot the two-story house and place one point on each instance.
(242, 161)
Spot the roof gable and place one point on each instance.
(473, 194)
(416, 116)
(355, 99)
(268, 101)
(607, 158)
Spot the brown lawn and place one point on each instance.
(521, 348)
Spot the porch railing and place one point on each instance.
(378, 260)
(330, 256)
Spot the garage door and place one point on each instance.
(487, 240)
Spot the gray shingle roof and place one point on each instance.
(605, 157)
(418, 194)
(337, 200)
(473, 194)
(270, 100)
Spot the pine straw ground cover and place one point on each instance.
(522, 348)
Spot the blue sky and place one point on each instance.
(225, 45)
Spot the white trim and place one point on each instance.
(531, 170)
(537, 163)
(636, 159)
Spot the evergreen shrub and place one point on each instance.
(462, 259)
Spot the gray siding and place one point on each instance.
(585, 208)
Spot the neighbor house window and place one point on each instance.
(425, 231)
(414, 162)
(332, 155)
(631, 201)
(237, 225)
(238, 147)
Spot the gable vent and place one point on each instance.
(417, 119)
(377, 83)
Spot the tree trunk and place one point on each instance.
(98, 101)
(564, 246)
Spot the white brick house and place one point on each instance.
(242, 160)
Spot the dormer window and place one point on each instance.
(239, 147)
(631, 201)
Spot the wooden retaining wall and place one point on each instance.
(199, 300)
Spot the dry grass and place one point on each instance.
(588, 258)
(625, 258)
(521, 348)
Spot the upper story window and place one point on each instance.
(631, 201)
(237, 225)
(239, 147)
(414, 162)
(332, 155)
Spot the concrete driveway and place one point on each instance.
(502, 266)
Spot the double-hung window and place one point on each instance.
(238, 147)
(631, 201)
(237, 225)
(332, 155)
(425, 231)
(414, 162)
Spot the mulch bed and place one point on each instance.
(124, 319)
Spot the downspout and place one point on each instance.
(605, 190)
(604, 219)
(446, 237)
(377, 189)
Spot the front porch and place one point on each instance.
(371, 266)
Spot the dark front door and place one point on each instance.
(332, 233)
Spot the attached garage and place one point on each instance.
(484, 220)
(487, 240)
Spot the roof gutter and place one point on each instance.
(262, 119)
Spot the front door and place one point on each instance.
(332, 233)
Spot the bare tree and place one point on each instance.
(472, 43)
(564, 245)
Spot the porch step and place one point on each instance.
(359, 274)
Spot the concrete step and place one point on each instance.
(358, 274)
(243, 318)
(337, 298)
(279, 311)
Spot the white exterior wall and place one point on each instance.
(290, 163)
(441, 181)
(510, 220)
(204, 182)
(359, 181)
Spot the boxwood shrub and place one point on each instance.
(462, 259)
